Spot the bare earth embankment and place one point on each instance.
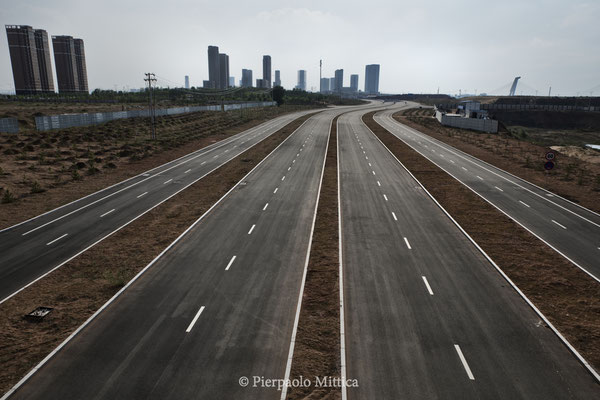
(566, 295)
(572, 178)
(40, 171)
(83, 285)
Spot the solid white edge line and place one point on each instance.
(288, 366)
(142, 195)
(56, 240)
(473, 160)
(427, 285)
(150, 209)
(574, 351)
(251, 229)
(116, 295)
(341, 271)
(106, 213)
(407, 244)
(464, 362)
(509, 216)
(193, 155)
(230, 263)
(189, 328)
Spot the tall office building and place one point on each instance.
(354, 83)
(80, 63)
(301, 80)
(339, 80)
(187, 82)
(260, 83)
(66, 64)
(246, 78)
(372, 79)
(223, 71)
(30, 59)
(267, 71)
(213, 68)
(277, 78)
(42, 46)
(324, 86)
(332, 84)
(231, 81)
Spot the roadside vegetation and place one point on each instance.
(42, 170)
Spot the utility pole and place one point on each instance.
(150, 77)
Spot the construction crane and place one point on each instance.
(513, 88)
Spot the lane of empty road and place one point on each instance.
(426, 315)
(572, 231)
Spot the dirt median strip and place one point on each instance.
(566, 295)
(80, 287)
(317, 347)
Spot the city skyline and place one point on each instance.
(562, 38)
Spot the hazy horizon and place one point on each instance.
(420, 48)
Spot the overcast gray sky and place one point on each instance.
(420, 45)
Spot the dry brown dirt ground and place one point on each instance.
(572, 178)
(317, 348)
(566, 295)
(83, 285)
(43, 170)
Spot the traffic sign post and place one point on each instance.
(550, 156)
(548, 165)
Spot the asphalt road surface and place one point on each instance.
(218, 306)
(30, 250)
(571, 230)
(426, 315)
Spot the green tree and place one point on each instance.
(278, 93)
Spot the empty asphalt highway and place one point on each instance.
(426, 315)
(572, 231)
(220, 305)
(32, 249)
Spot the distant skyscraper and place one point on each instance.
(332, 84)
(354, 82)
(69, 63)
(324, 87)
(277, 77)
(339, 80)
(187, 82)
(81, 68)
(231, 81)
(213, 67)
(208, 84)
(45, 64)
(223, 71)
(260, 83)
(247, 78)
(30, 58)
(301, 80)
(267, 71)
(372, 79)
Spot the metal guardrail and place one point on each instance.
(9, 125)
(45, 123)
